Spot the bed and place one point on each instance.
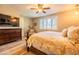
(53, 43)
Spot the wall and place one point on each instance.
(4, 9)
(67, 19)
(24, 21)
(64, 19)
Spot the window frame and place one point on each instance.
(44, 27)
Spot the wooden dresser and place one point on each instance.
(9, 35)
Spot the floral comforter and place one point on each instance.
(53, 43)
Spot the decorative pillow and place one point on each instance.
(69, 32)
(73, 33)
(64, 32)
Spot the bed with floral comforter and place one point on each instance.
(53, 43)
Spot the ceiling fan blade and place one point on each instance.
(37, 12)
(46, 8)
(44, 11)
(33, 8)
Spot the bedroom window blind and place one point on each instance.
(49, 23)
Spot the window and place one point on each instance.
(50, 23)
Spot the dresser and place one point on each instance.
(10, 35)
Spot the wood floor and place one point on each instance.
(15, 48)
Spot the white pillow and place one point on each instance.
(70, 31)
(64, 32)
(73, 33)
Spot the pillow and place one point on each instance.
(73, 33)
(64, 32)
(69, 32)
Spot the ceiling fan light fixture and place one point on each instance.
(40, 8)
(44, 11)
(37, 12)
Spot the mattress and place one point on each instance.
(53, 43)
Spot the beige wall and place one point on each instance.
(24, 21)
(64, 19)
(67, 19)
(4, 9)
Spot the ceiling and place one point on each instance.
(24, 9)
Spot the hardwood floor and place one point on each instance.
(15, 48)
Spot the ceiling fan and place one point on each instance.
(40, 8)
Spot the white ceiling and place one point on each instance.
(24, 9)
